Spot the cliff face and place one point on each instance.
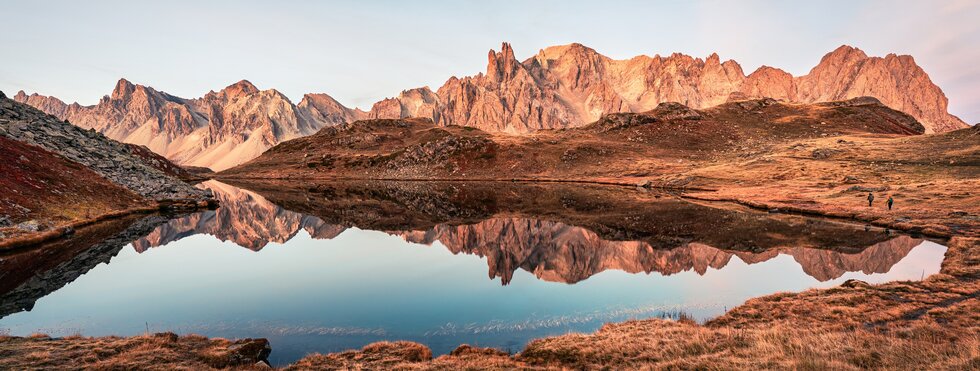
(571, 85)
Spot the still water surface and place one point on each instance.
(498, 282)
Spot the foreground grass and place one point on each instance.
(158, 351)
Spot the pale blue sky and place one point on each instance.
(360, 52)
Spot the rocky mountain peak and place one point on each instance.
(239, 89)
(845, 52)
(318, 100)
(320, 107)
(713, 59)
(899, 83)
(503, 65)
(123, 90)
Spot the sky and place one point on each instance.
(362, 51)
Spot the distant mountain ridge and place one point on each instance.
(218, 130)
(559, 87)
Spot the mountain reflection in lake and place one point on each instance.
(339, 265)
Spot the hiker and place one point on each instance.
(890, 202)
(871, 198)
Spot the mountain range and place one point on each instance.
(559, 87)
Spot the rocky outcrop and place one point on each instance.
(418, 102)
(768, 82)
(323, 108)
(50, 105)
(113, 160)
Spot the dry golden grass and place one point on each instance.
(164, 351)
(666, 344)
(932, 178)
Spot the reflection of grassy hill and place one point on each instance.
(613, 213)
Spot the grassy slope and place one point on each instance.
(56, 191)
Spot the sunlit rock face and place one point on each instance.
(552, 251)
(559, 87)
(572, 85)
(219, 130)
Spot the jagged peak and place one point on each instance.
(20, 95)
(317, 97)
(768, 70)
(845, 52)
(502, 65)
(713, 59)
(122, 90)
(506, 49)
(239, 89)
(320, 101)
(423, 91)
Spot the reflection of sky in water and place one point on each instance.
(363, 286)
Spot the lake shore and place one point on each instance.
(16, 239)
(931, 323)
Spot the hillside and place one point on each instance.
(57, 175)
(43, 190)
(667, 140)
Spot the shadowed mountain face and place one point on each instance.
(530, 235)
